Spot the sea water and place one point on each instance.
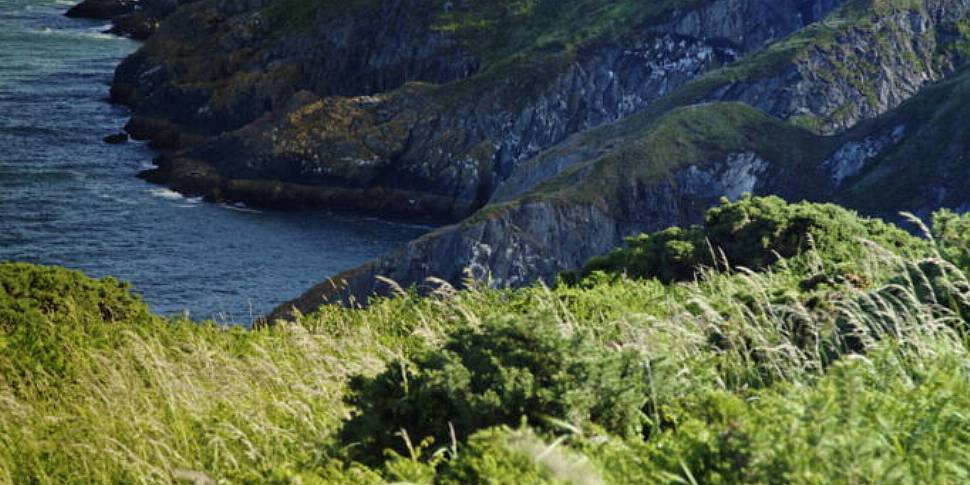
(67, 198)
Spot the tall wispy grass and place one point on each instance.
(753, 378)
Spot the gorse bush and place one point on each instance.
(952, 235)
(44, 309)
(520, 456)
(509, 369)
(843, 361)
(30, 295)
(753, 233)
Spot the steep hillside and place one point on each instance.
(551, 130)
(663, 165)
(506, 81)
(843, 362)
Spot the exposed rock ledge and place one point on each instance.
(137, 19)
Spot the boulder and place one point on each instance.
(116, 138)
(101, 9)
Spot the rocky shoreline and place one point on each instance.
(137, 19)
(543, 154)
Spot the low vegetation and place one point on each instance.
(776, 343)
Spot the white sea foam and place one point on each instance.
(116, 199)
(168, 194)
(239, 207)
(410, 225)
(93, 33)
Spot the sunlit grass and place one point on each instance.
(752, 378)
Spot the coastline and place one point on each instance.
(549, 155)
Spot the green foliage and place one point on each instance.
(785, 375)
(866, 421)
(952, 235)
(44, 309)
(509, 369)
(284, 16)
(754, 233)
(939, 284)
(30, 295)
(502, 455)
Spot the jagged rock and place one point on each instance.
(137, 25)
(458, 141)
(137, 19)
(101, 9)
(116, 138)
(558, 146)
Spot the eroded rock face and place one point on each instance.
(737, 175)
(849, 160)
(377, 108)
(453, 142)
(217, 66)
(101, 9)
(747, 24)
(137, 19)
(861, 72)
(531, 241)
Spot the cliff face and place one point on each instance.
(857, 65)
(552, 130)
(440, 148)
(138, 19)
(589, 209)
(216, 66)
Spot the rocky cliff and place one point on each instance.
(433, 129)
(549, 131)
(138, 19)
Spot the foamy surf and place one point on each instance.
(96, 33)
(169, 194)
(240, 207)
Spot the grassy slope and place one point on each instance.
(648, 150)
(497, 29)
(675, 133)
(697, 134)
(747, 378)
(522, 43)
(937, 134)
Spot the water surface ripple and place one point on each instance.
(66, 198)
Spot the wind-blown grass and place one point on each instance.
(770, 376)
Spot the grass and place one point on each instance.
(693, 135)
(498, 29)
(934, 132)
(751, 377)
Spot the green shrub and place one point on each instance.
(32, 294)
(754, 233)
(44, 310)
(937, 283)
(502, 455)
(952, 234)
(873, 420)
(509, 369)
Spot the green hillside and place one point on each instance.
(775, 343)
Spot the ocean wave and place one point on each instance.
(116, 199)
(169, 194)
(31, 130)
(402, 224)
(240, 207)
(95, 33)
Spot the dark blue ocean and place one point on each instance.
(66, 198)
